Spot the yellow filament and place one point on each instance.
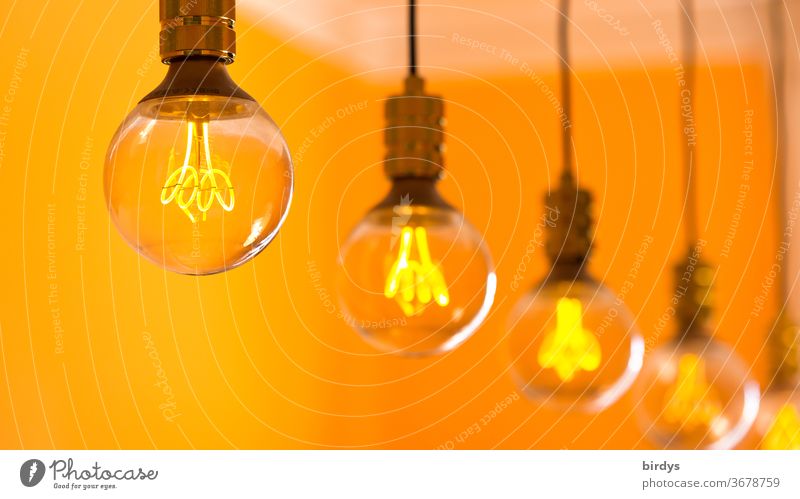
(569, 348)
(188, 185)
(413, 284)
(784, 432)
(691, 403)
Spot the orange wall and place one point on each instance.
(256, 358)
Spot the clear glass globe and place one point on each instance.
(198, 184)
(573, 345)
(695, 394)
(777, 426)
(415, 280)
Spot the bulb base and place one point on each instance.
(570, 225)
(414, 136)
(413, 191)
(195, 77)
(197, 27)
(785, 351)
(694, 291)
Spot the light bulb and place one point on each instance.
(573, 345)
(198, 178)
(416, 278)
(695, 394)
(777, 426)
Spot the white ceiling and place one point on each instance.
(367, 35)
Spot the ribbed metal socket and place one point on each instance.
(197, 27)
(414, 135)
(785, 351)
(694, 293)
(569, 236)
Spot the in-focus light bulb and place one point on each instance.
(198, 178)
(416, 278)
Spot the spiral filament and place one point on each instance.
(415, 283)
(569, 348)
(784, 432)
(692, 403)
(200, 185)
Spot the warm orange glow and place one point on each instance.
(253, 358)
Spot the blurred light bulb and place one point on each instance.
(198, 178)
(415, 279)
(573, 345)
(780, 423)
(695, 394)
(777, 426)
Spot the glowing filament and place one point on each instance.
(691, 403)
(197, 185)
(569, 348)
(415, 283)
(784, 433)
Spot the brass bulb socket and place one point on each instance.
(570, 226)
(694, 294)
(784, 351)
(197, 27)
(414, 135)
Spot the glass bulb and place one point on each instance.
(695, 394)
(573, 345)
(415, 279)
(777, 426)
(198, 178)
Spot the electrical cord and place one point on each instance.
(566, 90)
(689, 40)
(412, 37)
(778, 63)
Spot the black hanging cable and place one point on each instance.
(412, 37)
(689, 39)
(566, 91)
(778, 62)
